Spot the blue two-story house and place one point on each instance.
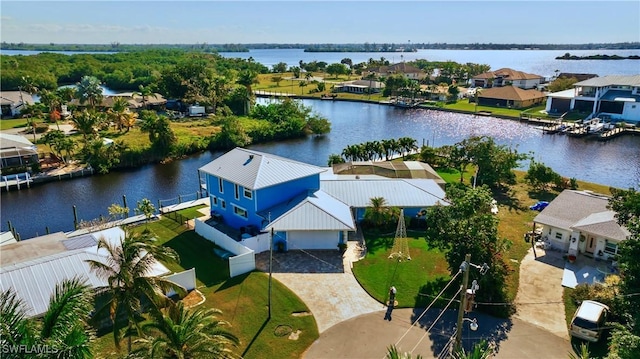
(264, 192)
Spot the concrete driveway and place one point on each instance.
(539, 299)
(324, 282)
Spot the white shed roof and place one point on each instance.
(255, 170)
(397, 192)
(315, 212)
(621, 80)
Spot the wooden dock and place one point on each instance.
(19, 180)
(615, 132)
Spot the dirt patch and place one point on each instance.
(301, 314)
(193, 298)
(295, 335)
(282, 330)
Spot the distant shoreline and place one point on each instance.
(568, 56)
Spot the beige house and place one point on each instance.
(408, 71)
(359, 86)
(134, 100)
(510, 96)
(505, 77)
(579, 222)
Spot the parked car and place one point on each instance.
(539, 206)
(588, 320)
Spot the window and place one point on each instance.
(236, 191)
(558, 235)
(247, 193)
(223, 204)
(220, 187)
(610, 248)
(214, 201)
(240, 211)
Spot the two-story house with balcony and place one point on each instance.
(507, 77)
(613, 97)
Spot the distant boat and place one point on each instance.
(405, 104)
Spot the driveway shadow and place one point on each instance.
(550, 257)
(302, 261)
(493, 330)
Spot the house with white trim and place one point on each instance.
(305, 206)
(13, 102)
(578, 222)
(612, 97)
(506, 77)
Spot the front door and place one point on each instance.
(591, 245)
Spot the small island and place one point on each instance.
(568, 56)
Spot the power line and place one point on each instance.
(435, 321)
(429, 306)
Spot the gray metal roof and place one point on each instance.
(570, 207)
(315, 212)
(602, 224)
(397, 192)
(84, 241)
(34, 280)
(256, 170)
(631, 80)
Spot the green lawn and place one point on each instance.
(243, 300)
(6, 124)
(426, 273)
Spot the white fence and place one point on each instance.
(259, 243)
(244, 259)
(186, 279)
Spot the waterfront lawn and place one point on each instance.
(465, 105)
(243, 300)
(416, 280)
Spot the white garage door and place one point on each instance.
(312, 240)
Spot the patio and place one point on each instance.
(586, 270)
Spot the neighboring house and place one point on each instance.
(16, 151)
(577, 76)
(389, 169)
(510, 96)
(134, 100)
(614, 97)
(579, 222)
(33, 267)
(408, 71)
(359, 86)
(506, 77)
(13, 102)
(306, 206)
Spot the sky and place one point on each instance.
(303, 21)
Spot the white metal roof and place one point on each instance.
(34, 281)
(10, 141)
(255, 170)
(396, 192)
(571, 93)
(631, 80)
(315, 212)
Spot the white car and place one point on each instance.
(588, 321)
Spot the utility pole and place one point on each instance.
(463, 295)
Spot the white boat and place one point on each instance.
(595, 125)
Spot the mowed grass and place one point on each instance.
(243, 300)
(415, 279)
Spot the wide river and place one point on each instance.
(615, 162)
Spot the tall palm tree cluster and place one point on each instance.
(169, 330)
(379, 150)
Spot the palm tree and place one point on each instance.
(89, 90)
(247, 78)
(86, 122)
(392, 353)
(117, 112)
(481, 350)
(145, 92)
(177, 332)
(302, 85)
(407, 144)
(127, 270)
(377, 211)
(63, 327)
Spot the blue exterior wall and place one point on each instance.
(411, 212)
(271, 196)
(260, 200)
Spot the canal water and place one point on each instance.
(615, 162)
